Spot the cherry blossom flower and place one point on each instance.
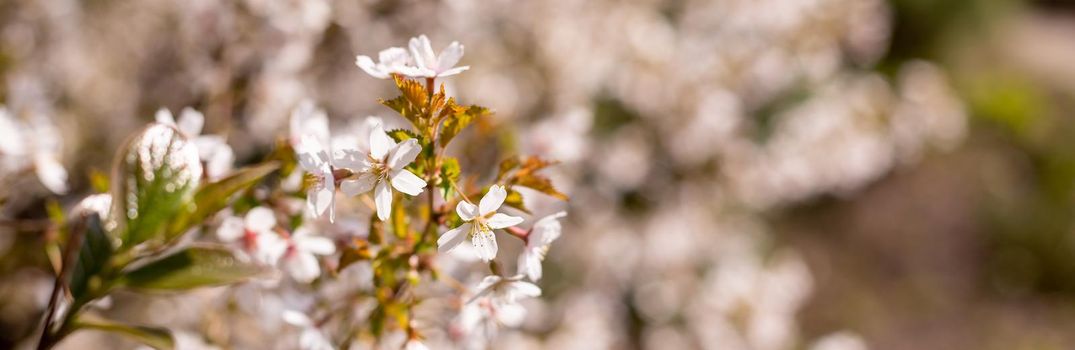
(311, 338)
(393, 60)
(479, 223)
(544, 232)
(499, 297)
(315, 160)
(383, 165)
(299, 260)
(432, 65)
(35, 144)
(212, 149)
(255, 232)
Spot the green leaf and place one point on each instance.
(404, 108)
(158, 338)
(400, 135)
(155, 177)
(456, 122)
(93, 257)
(214, 197)
(193, 267)
(515, 200)
(449, 173)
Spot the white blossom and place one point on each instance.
(35, 144)
(432, 65)
(308, 121)
(499, 297)
(299, 260)
(479, 223)
(544, 232)
(255, 233)
(382, 169)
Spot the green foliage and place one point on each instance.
(400, 135)
(93, 257)
(156, 175)
(449, 174)
(515, 200)
(213, 197)
(193, 267)
(458, 120)
(158, 338)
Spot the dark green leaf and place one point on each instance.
(155, 177)
(158, 338)
(193, 267)
(93, 257)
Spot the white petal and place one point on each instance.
(466, 211)
(453, 71)
(382, 197)
(303, 267)
(408, 183)
(260, 219)
(522, 289)
(349, 158)
(484, 242)
(546, 230)
(367, 65)
(530, 264)
(380, 143)
(511, 315)
(487, 283)
(451, 239)
(296, 318)
(427, 52)
(492, 200)
(231, 229)
(500, 220)
(393, 56)
(270, 247)
(191, 122)
(355, 187)
(450, 56)
(319, 200)
(164, 116)
(403, 154)
(219, 163)
(315, 244)
(51, 173)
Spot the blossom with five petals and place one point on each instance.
(432, 65)
(382, 166)
(479, 223)
(255, 232)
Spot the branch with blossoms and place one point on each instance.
(176, 216)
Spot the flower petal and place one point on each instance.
(303, 267)
(191, 122)
(380, 143)
(451, 239)
(450, 56)
(403, 154)
(164, 116)
(315, 244)
(260, 219)
(318, 200)
(382, 197)
(530, 264)
(364, 183)
(453, 71)
(523, 289)
(51, 173)
(230, 229)
(367, 65)
(500, 220)
(406, 182)
(492, 200)
(466, 210)
(485, 246)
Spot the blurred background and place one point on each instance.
(744, 174)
